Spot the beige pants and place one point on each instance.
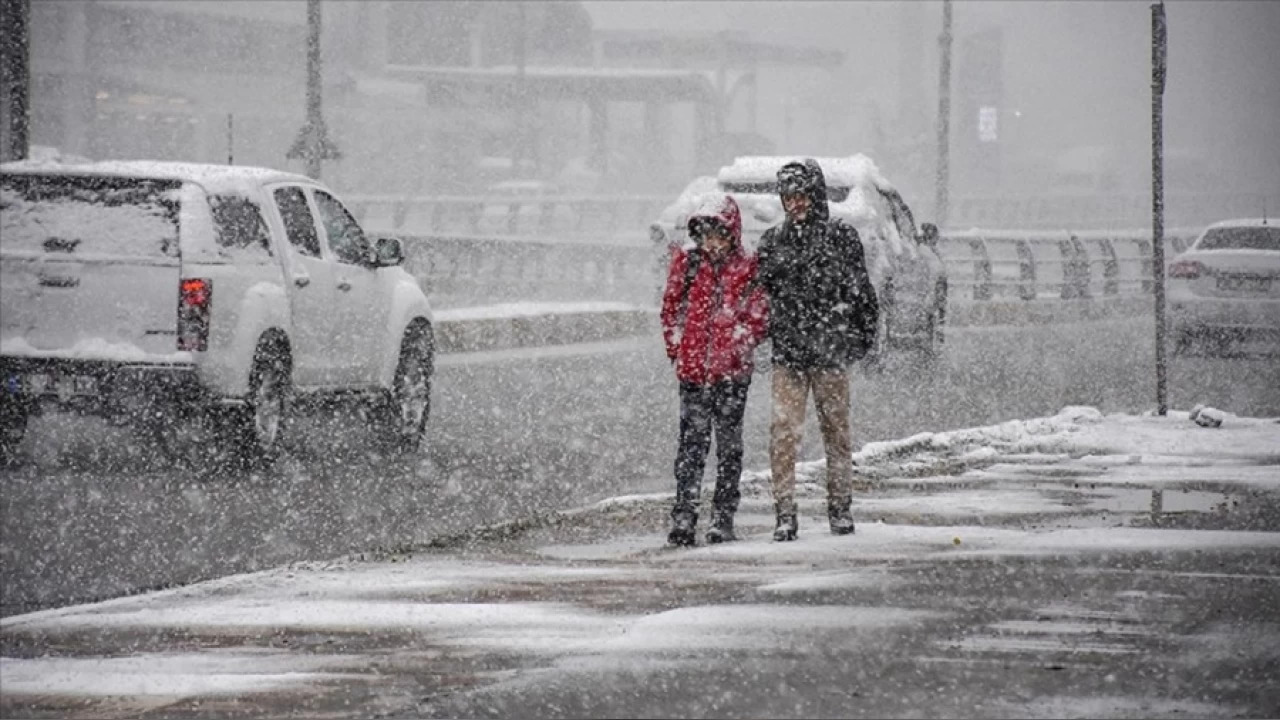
(831, 398)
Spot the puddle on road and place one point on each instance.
(1134, 500)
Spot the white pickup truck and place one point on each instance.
(155, 292)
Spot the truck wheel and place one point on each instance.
(403, 418)
(935, 331)
(878, 355)
(254, 432)
(1183, 344)
(13, 428)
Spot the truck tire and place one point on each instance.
(13, 428)
(878, 355)
(402, 419)
(255, 432)
(935, 331)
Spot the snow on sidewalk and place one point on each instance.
(592, 602)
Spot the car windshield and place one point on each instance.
(1241, 238)
(835, 193)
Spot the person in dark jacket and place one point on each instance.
(822, 317)
(713, 317)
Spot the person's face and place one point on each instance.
(716, 240)
(796, 205)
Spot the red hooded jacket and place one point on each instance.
(723, 316)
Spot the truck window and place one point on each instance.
(346, 239)
(106, 215)
(238, 224)
(298, 223)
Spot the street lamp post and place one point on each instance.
(15, 66)
(1158, 49)
(943, 178)
(312, 143)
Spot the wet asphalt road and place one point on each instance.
(95, 514)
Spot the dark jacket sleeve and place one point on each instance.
(767, 261)
(866, 305)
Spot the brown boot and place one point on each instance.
(840, 516)
(788, 526)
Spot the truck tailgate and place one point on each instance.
(89, 268)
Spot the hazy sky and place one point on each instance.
(1079, 72)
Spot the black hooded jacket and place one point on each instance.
(823, 309)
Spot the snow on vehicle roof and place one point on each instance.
(214, 178)
(840, 171)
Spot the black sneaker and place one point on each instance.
(841, 518)
(684, 530)
(721, 529)
(787, 528)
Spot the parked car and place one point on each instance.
(1225, 288)
(909, 274)
(155, 292)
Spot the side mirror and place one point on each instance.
(929, 235)
(388, 252)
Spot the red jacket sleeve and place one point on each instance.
(670, 313)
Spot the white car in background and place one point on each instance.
(162, 293)
(1225, 288)
(908, 273)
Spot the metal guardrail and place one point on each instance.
(982, 265)
(987, 265)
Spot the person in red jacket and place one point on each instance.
(713, 317)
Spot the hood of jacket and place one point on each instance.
(806, 177)
(722, 209)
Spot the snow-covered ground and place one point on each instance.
(571, 591)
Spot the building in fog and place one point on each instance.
(419, 97)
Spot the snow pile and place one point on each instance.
(942, 452)
(1207, 416)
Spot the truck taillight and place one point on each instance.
(1186, 269)
(195, 295)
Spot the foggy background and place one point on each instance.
(638, 97)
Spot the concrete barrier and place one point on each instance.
(998, 277)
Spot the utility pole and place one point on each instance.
(941, 200)
(313, 144)
(1159, 44)
(16, 78)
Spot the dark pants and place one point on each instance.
(703, 408)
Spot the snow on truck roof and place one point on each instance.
(212, 177)
(839, 171)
